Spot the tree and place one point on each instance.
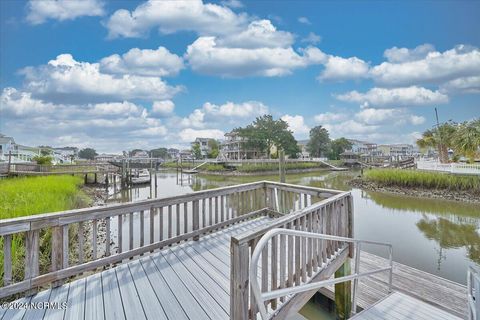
(265, 132)
(440, 138)
(214, 148)
(87, 153)
(319, 142)
(43, 160)
(337, 147)
(196, 151)
(467, 139)
(159, 153)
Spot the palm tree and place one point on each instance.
(467, 138)
(440, 138)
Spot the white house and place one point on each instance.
(6, 146)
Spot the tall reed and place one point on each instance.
(423, 179)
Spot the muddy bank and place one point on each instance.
(463, 196)
(98, 197)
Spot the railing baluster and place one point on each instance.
(160, 224)
(107, 236)
(185, 217)
(283, 262)
(204, 215)
(81, 241)
(224, 202)
(297, 254)
(7, 259)
(120, 233)
(152, 221)
(304, 250)
(217, 210)
(312, 254)
(142, 228)
(130, 230)
(94, 239)
(265, 270)
(290, 264)
(177, 215)
(196, 217)
(210, 212)
(169, 222)
(274, 267)
(65, 246)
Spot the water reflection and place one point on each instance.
(450, 234)
(437, 236)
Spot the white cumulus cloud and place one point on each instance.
(338, 68)
(189, 134)
(395, 97)
(163, 108)
(436, 67)
(39, 11)
(171, 16)
(67, 80)
(146, 62)
(296, 124)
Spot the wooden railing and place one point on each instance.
(473, 292)
(57, 246)
(71, 168)
(290, 260)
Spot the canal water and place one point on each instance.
(437, 236)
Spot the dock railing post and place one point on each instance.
(239, 283)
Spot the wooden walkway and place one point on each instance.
(189, 281)
(435, 291)
(398, 306)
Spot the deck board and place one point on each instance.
(76, 300)
(191, 280)
(398, 306)
(111, 296)
(438, 292)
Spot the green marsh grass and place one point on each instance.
(259, 167)
(21, 197)
(423, 179)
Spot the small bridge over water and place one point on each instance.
(195, 256)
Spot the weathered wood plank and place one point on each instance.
(94, 307)
(7, 259)
(76, 300)
(131, 301)
(111, 296)
(150, 302)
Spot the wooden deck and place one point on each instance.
(398, 306)
(189, 281)
(425, 287)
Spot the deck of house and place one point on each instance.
(188, 257)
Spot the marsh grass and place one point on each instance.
(259, 167)
(21, 197)
(423, 179)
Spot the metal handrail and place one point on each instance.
(260, 297)
(473, 292)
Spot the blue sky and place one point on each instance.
(122, 74)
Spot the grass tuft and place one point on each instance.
(423, 179)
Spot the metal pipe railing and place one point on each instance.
(473, 292)
(260, 297)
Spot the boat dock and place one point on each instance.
(189, 257)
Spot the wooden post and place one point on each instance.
(96, 181)
(239, 284)
(343, 292)
(196, 218)
(281, 165)
(86, 179)
(9, 161)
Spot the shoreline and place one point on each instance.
(441, 194)
(259, 173)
